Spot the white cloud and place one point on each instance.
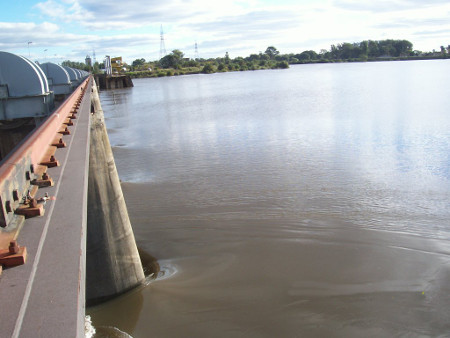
(131, 28)
(22, 32)
(109, 14)
(386, 5)
(64, 11)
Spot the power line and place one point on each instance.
(196, 57)
(162, 46)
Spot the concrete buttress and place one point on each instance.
(113, 264)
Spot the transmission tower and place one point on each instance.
(196, 52)
(162, 46)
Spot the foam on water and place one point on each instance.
(89, 329)
(111, 332)
(167, 270)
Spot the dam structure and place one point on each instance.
(65, 236)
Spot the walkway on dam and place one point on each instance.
(45, 297)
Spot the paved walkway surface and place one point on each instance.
(46, 296)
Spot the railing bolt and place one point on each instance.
(44, 181)
(8, 206)
(52, 162)
(15, 195)
(59, 144)
(13, 247)
(65, 131)
(32, 203)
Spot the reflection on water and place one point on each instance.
(311, 201)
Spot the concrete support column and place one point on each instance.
(113, 264)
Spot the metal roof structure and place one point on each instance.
(24, 89)
(58, 78)
(75, 76)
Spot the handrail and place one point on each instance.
(16, 171)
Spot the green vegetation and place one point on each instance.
(83, 66)
(76, 65)
(175, 63)
(368, 50)
(173, 60)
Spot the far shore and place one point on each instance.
(159, 72)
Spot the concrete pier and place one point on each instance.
(113, 81)
(113, 264)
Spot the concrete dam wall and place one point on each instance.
(65, 236)
(113, 265)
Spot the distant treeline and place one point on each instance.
(368, 50)
(364, 50)
(76, 65)
(176, 63)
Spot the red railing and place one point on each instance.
(18, 169)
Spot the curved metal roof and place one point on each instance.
(56, 73)
(72, 73)
(22, 76)
(78, 72)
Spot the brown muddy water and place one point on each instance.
(308, 202)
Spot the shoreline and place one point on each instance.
(199, 70)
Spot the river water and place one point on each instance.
(308, 202)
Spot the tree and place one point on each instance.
(264, 56)
(402, 47)
(173, 60)
(96, 68)
(178, 54)
(138, 63)
(208, 69)
(364, 46)
(191, 63)
(252, 57)
(239, 60)
(307, 55)
(272, 52)
(76, 65)
(283, 65)
(324, 54)
(346, 50)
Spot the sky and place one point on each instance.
(58, 30)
